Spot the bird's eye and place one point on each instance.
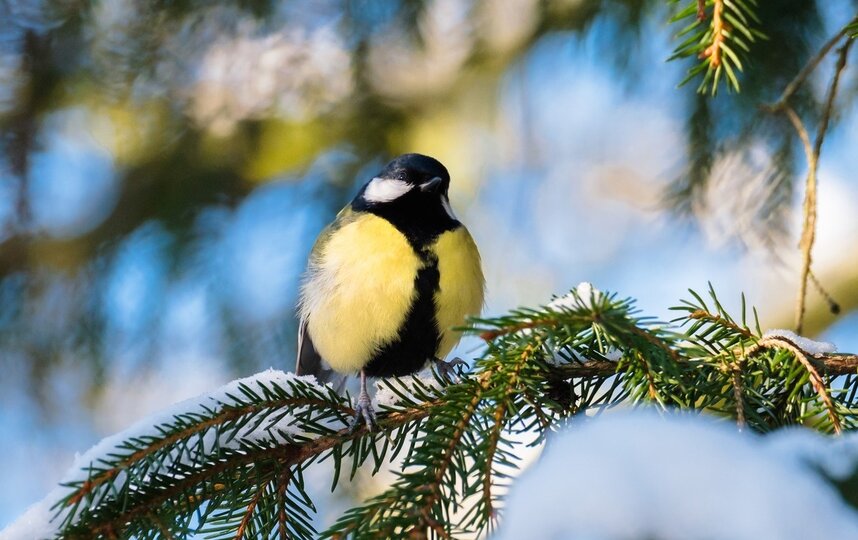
(402, 176)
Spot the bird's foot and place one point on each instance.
(450, 370)
(363, 411)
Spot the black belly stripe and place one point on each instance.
(419, 337)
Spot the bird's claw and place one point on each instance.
(363, 411)
(450, 370)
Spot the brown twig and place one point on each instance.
(736, 378)
(655, 341)
(831, 364)
(590, 368)
(489, 335)
(713, 51)
(701, 10)
(808, 235)
(165, 532)
(833, 306)
(499, 417)
(811, 152)
(491, 448)
(248, 512)
(435, 487)
(815, 378)
(809, 224)
(702, 314)
(282, 484)
(808, 68)
(843, 53)
(801, 131)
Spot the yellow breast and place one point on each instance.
(358, 291)
(461, 284)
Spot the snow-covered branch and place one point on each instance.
(230, 463)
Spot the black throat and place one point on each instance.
(416, 215)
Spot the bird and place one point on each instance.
(387, 281)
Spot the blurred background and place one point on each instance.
(166, 165)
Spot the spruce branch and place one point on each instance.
(265, 459)
(149, 451)
(231, 466)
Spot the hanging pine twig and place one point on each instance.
(719, 33)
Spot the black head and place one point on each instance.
(412, 193)
(405, 174)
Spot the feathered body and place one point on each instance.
(390, 277)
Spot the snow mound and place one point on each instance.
(637, 475)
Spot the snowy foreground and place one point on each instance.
(636, 474)
(623, 475)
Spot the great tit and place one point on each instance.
(388, 280)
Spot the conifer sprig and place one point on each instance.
(232, 466)
(719, 33)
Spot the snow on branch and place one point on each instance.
(815, 348)
(265, 411)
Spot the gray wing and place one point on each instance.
(310, 363)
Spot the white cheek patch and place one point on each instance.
(447, 208)
(380, 190)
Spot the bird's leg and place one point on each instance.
(448, 370)
(364, 409)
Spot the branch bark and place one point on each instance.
(833, 364)
(815, 378)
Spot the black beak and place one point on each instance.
(432, 185)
